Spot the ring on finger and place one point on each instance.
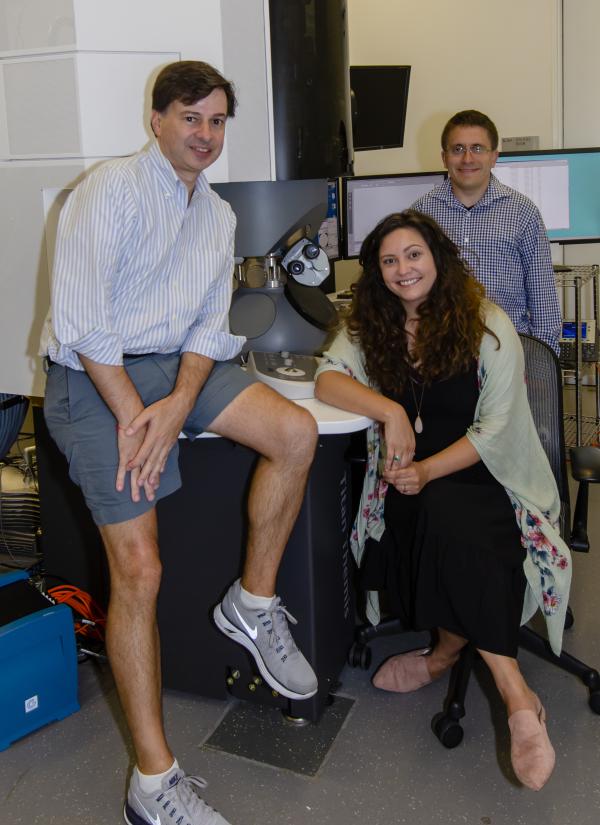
(396, 458)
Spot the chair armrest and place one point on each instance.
(585, 463)
(585, 468)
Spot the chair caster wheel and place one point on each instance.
(569, 618)
(594, 701)
(359, 655)
(447, 730)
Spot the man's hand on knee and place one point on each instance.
(159, 425)
(129, 446)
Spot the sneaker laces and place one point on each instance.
(188, 789)
(280, 614)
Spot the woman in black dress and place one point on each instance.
(411, 357)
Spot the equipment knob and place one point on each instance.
(296, 267)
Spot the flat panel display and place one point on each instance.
(379, 101)
(366, 200)
(564, 185)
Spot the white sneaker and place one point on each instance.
(266, 635)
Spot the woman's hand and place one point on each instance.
(399, 439)
(408, 480)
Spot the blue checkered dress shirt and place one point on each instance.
(504, 241)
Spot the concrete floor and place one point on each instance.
(384, 767)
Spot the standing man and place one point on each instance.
(499, 232)
(137, 347)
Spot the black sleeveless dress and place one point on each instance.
(451, 556)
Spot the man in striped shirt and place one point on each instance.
(499, 232)
(138, 344)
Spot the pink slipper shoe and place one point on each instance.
(531, 751)
(403, 673)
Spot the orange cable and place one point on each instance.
(83, 605)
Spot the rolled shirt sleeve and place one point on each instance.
(90, 227)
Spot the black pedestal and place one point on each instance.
(202, 537)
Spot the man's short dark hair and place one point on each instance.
(189, 81)
(471, 117)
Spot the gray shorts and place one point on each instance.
(84, 427)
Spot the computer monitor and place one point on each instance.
(377, 90)
(368, 199)
(564, 185)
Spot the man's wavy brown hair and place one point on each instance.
(451, 322)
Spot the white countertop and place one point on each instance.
(330, 420)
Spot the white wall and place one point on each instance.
(581, 99)
(75, 81)
(581, 73)
(502, 58)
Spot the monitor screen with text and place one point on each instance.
(366, 200)
(564, 185)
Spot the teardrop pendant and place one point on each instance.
(418, 425)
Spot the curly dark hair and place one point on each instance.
(451, 321)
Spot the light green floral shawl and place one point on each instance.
(504, 435)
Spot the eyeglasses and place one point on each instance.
(474, 149)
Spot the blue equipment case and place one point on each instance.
(38, 663)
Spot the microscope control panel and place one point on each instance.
(289, 373)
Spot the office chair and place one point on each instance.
(13, 409)
(544, 390)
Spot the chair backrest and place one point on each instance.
(13, 409)
(544, 391)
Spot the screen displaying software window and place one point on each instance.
(563, 184)
(367, 200)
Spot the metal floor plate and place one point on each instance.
(262, 734)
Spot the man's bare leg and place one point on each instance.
(285, 436)
(132, 639)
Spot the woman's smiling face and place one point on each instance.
(407, 267)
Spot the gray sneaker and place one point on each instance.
(266, 635)
(178, 802)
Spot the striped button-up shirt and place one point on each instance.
(139, 269)
(504, 241)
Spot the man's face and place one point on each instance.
(469, 171)
(191, 136)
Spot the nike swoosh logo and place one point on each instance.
(251, 631)
(154, 819)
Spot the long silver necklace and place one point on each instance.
(418, 424)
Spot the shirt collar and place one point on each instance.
(494, 191)
(167, 175)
